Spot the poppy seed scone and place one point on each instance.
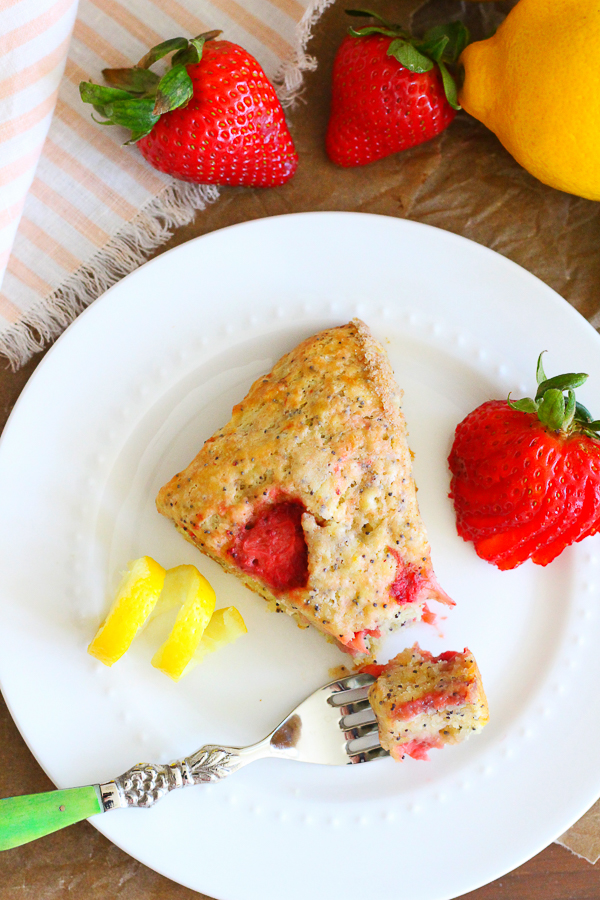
(306, 494)
(423, 702)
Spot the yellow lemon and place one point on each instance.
(225, 626)
(184, 586)
(136, 596)
(536, 85)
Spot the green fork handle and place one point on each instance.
(23, 819)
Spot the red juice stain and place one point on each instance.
(427, 616)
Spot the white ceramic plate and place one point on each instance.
(126, 398)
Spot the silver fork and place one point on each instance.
(335, 726)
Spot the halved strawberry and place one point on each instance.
(526, 475)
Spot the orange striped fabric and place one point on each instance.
(77, 209)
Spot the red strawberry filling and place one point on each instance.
(448, 656)
(433, 702)
(416, 749)
(273, 547)
(357, 643)
(374, 669)
(377, 669)
(408, 583)
(411, 584)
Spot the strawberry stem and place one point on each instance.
(552, 408)
(440, 46)
(137, 97)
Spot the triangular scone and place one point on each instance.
(307, 494)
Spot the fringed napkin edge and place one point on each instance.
(176, 205)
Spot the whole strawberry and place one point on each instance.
(526, 475)
(213, 118)
(390, 91)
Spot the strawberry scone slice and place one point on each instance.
(423, 702)
(307, 494)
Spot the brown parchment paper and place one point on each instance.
(463, 181)
(583, 838)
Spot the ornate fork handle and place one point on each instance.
(146, 783)
(26, 818)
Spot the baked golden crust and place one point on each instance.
(423, 702)
(325, 429)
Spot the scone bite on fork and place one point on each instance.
(424, 702)
(307, 494)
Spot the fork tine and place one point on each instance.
(312, 732)
(354, 695)
(354, 681)
(359, 753)
(375, 753)
(367, 741)
(356, 719)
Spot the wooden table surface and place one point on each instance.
(552, 235)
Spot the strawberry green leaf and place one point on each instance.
(120, 108)
(175, 89)
(162, 50)
(205, 36)
(199, 42)
(134, 80)
(569, 411)
(135, 113)
(99, 95)
(187, 57)
(136, 136)
(551, 409)
(567, 382)
(591, 429)
(193, 52)
(449, 86)
(456, 37)
(100, 109)
(137, 97)
(582, 413)
(459, 36)
(526, 405)
(434, 49)
(372, 29)
(539, 372)
(409, 56)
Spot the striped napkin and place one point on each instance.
(77, 209)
